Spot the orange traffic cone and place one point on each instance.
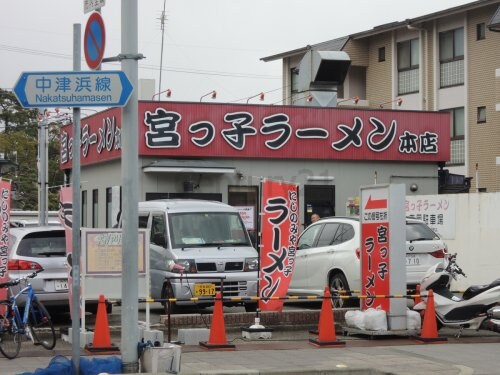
(418, 298)
(429, 327)
(217, 336)
(102, 339)
(326, 327)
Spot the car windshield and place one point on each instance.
(419, 232)
(203, 229)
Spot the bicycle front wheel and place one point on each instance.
(10, 340)
(41, 327)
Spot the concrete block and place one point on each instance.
(86, 337)
(192, 336)
(153, 335)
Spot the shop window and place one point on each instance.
(84, 208)
(451, 57)
(247, 199)
(408, 66)
(95, 208)
(480, 31)
(109, 211)
(481, 114)
(381, 54)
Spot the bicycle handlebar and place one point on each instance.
(15, 282)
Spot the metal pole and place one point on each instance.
(161, 51)
(76, 212)
(42, 171)
(130, 185)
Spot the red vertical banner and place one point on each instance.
(279, 234)
(66, 219)
(4, 237)
(375, 276)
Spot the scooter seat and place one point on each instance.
(474, 290)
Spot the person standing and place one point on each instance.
(314, 218)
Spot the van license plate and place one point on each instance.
(61, 284)
(204, 290)
(412, 260)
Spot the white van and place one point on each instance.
(196, 247)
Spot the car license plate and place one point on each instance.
(412, 260)
(61, 284)
(204, 290)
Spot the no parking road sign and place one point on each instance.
(94, 40)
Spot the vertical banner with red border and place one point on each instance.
(66, 219)
(375, 276)
(279, 234)
(383, 251)
(4, 237)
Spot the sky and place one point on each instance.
(207, 44)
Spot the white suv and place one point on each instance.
(328, 255)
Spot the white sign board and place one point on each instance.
(247, 215)
(437, 211)
(90, 5)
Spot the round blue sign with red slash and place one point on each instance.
(94, 40)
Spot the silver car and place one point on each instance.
(329, 255)
(35, 247)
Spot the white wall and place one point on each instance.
(477, 237)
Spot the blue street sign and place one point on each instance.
(73, 89)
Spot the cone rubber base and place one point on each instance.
(106, 350)
(327, 344)
(228, 347)
(430, 340)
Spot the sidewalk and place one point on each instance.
(467, 355)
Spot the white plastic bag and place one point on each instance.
(355, 319)
(375, 319)
(413, 320)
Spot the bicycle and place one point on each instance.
(34, 322)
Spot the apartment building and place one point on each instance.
(443, 61)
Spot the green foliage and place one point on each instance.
(19, 143)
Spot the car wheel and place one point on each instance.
(339, 282)
(168, 292)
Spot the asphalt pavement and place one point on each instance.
(289, 352)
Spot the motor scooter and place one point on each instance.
(478, 307)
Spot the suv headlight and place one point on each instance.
(251, 264)
(182, 266)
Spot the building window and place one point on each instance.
(457, 132)
(481, 114)
(95, 208)
(84, 208)
(247, 198)
(294, 79)
(381, 54)
(451, 57)
(408, 66)
(480, 31)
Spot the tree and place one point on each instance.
(19, 144)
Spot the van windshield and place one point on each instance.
(203, 229)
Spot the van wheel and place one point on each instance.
(168, 292)
(339, 282)
(92, 308)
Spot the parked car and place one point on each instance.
(34, 247)
(329, 255)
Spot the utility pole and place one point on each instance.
(130, 186)
(42, 169)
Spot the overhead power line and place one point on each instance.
(35, 52)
